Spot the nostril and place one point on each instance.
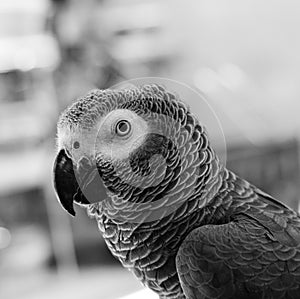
(76, 145)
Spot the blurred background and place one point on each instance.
(242, 55)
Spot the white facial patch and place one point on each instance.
(79, 143)
(113, 146)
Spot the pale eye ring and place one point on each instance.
(123, 128)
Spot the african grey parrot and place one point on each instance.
(142, 165)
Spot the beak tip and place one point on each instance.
(72, 213)
(70, 210)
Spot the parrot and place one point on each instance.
(142, 165)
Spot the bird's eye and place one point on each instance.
(76, 145)
(123, 128)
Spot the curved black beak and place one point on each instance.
(77, 188)
(65, 182)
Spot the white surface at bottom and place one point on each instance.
(145, 294)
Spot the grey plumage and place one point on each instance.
(182, 223)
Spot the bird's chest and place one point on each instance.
(149, 254)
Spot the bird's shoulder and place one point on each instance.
(247, 203)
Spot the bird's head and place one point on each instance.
(140, 147)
